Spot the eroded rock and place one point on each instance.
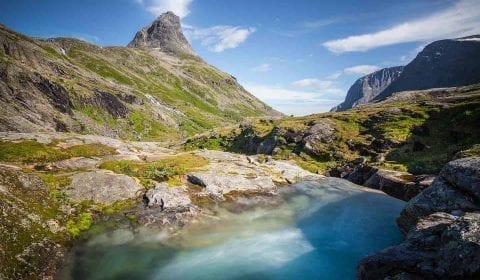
(103, 187)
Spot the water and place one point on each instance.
(311, 231)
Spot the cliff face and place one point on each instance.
(158, 89)
(164, 33)
(444, 63)
(368, 87)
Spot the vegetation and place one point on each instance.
(167, 169)
(35, 152)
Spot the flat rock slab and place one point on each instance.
(229, 172)
(171, 196)
(75, 164)
(103, 187)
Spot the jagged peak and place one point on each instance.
(164, 33)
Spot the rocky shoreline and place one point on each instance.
(442, 230)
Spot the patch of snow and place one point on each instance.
(63, 51)
(469, 40)
(162, 105)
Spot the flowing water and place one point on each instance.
(310, 231)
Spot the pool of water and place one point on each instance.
(310, 231)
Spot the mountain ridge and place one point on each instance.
(122, 92)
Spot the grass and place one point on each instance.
(34, 152)
(169, 169)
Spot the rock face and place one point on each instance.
(444, 63)
(164, 33)
(446, 194)
(102, 187)
(171, 196)
(442, 227)
(368, 87)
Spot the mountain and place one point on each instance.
(165, 33)
(368, 87)
(444, 63)
(157, 88)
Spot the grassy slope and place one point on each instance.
(197, 96)
(452, 122)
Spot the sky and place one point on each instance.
(298, 56)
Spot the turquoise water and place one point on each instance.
(311, 231)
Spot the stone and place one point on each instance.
(464, 174)
(439, 197)
(103, 187)
(394, 183)
(440, 246)
(172, 196)
(74, 163)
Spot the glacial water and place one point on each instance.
(310, 231)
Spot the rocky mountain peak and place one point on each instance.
(164, 33)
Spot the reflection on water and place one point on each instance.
(311, 231)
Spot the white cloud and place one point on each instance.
(461, 19)
(157, 7)
(361, 69)
(222, 37)
(334, 76)
(321, 86)
(265, 67)
(295, 102)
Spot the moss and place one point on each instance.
(34, 152)
(168, 169)
(81, 223)
(56, 184)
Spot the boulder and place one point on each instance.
(464, 174)
(439, 197)
(74, 163)
(394, 183)
(172, 197)
(103, 187)
(440, 246)
(321, 132)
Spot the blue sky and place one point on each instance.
(298, 56)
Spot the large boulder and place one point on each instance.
(439, 197)
(103, 187)
(400, 185)
(464, 174)
(321, 132)
(441, 246)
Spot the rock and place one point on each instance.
(103, 187)
(321, 132)
(419, 146)
(360, 174)
(439, 197)
(441, 246)
(73, 164)
(397, 184)
(464, 174)
(172, 196)
(360, 160)
(368, 87)
(164, 33)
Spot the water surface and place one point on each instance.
(311, 231)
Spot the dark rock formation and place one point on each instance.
(164, 33)
(441, 246)
(368, 87)
(442, 227)
(444, 63)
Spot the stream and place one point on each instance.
(311, 230)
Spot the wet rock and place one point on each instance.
(103, 187)
(441, 246)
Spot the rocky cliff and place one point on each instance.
(368, 87)
(444, 63)
(155, 89)
(164, 33)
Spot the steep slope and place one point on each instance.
(368, 87)
(154, 91)
(444, 63)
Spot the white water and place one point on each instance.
(312, 231)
